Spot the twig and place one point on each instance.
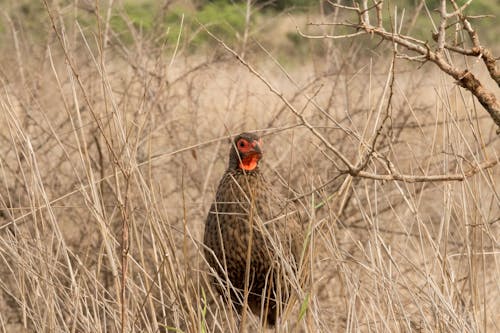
(280, 95)
(464, 77)
(428, 178)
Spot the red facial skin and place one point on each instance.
(250, 153)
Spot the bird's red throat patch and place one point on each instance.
(249, 163)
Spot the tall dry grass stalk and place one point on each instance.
(110, 154)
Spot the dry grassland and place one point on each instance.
(92, 142)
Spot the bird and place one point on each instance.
(253, 237)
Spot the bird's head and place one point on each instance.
(246, 151)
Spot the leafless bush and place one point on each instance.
(110, 153)
(441, 54)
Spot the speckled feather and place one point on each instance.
(275, 226)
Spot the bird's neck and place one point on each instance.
(242, 172)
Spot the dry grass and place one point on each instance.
(131, 138)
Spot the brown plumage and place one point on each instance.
(246, 208)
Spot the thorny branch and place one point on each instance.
(420, 50)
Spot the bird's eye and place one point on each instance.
(242, 143)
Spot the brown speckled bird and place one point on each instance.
(249, 223)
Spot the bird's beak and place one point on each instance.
(256, 148)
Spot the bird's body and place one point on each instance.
(247, 214)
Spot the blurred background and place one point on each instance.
(114, 131)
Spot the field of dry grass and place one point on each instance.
(109, 159)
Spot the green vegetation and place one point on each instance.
(141, 15)
(226, 19)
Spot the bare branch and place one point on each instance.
(442, 27)
(419, 58)
(299, 115)
(354, 9)
(356, 171)
(464, 77)
(379, 14)
(459, 10)
(429, 178)
(365, 12)
(486, 55)
(490, 62)
(330, 36)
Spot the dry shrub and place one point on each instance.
(97, 140)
